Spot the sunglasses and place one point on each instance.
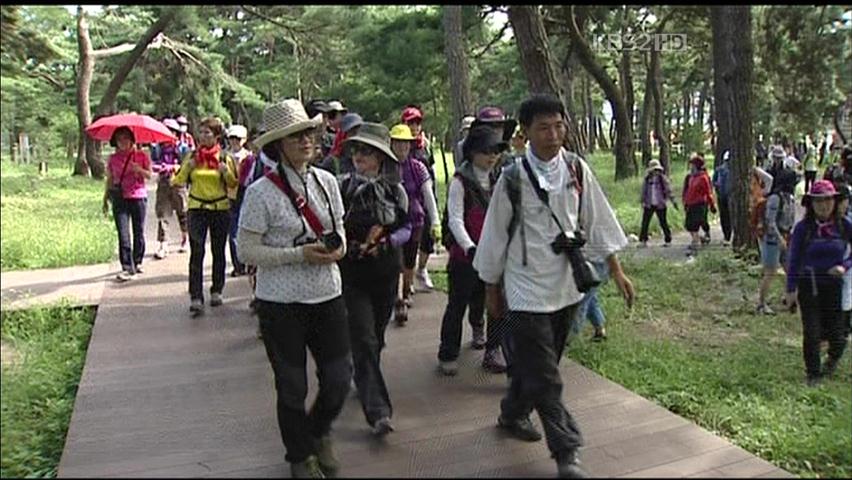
(493, 150)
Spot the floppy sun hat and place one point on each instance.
(284, 118)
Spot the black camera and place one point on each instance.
(585, 274)
(332, 241)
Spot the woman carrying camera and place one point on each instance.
(377, 226)
(291, 228)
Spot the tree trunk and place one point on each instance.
(85, 67)
(528, 28)
(712, 123)
(702, 101)
(660, 126)
(733, 61)
(722, 52)
(602, 141)
(457, 66)
(625, 162)
(645, 115)
(592, 118)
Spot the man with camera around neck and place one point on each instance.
(525, 257)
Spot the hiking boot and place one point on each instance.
(568, 465)
(139, 270)
(522, 429)
(813, 380)
(382, 427)
(600, 335)
(215, 299)
(423, 280)
(309, 468)
(400, 313)
(124, 276)
(493, 361)
(326, 458)
(196, 306)
(764, 309)
(830, 366)
(449, 368)
(478, 341)
(161, 251)
(705, 240)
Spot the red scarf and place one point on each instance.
(337, 146)
(420, 141)
(208, 156)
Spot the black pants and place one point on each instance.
(821, 318)
(369, 306)
(199, 222)
(537, 342)
(288, 328)
(647, 213)
(467, 291)
(725, 217)
(130, 214)
(810, 177)
(232, 237)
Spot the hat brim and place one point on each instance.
(509, 125)
(373, 143)
(279, 133)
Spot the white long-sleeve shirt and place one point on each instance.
(455, 207)
(546, 283)
(429, 203)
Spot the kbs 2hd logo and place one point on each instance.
(643, 42)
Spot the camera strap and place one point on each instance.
(299, 203)
(540, 193)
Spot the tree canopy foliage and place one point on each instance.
(230, 61)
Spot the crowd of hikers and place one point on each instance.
(333, 219)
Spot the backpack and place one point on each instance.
(722, 183)
(471, 194)
(512, 172)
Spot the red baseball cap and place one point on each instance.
(411, 113)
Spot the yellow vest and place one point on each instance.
(207, 187)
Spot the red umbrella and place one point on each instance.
(144, 128)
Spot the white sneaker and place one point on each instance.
(423, 280)
(161, 251)
(124, 276)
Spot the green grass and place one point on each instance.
(39, 389)
(692, 345)
(52, 221)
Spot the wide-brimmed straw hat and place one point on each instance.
(375, 135)
(654, 165)
(401, 132)
(284, 118)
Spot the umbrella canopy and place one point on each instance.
(144, 128)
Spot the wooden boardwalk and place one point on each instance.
(164, 395)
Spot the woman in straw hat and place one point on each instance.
(377, 226)
(295, 239)
(656, 193)
(816, 264)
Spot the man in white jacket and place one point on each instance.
(533, 285)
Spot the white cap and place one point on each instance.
(238, 131)
(336, 106)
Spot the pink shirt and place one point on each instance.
(133, 185)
